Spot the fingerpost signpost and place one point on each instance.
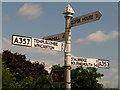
(53, 42)
(70, 22)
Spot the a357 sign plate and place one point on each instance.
(21, 40)
(37, 43)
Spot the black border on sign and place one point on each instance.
(22, 36)
(104, 67)
(56, 82)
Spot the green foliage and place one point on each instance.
(27, 82)
(86, 78)
(17, 72)
(17, 63)
(42, 82)
(8, 81)
(58, 67)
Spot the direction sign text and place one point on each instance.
(89, 62)
(37, 43)
(47, 44)
(85, 18)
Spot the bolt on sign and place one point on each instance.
(37, 43)
(85, 18)
(90, 62)
(57, 76)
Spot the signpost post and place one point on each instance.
(70, 22)
(67, 51)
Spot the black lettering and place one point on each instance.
(36, 45)
(82, 59)
(78, 21)
(85, 64)
(85, 60)
(71, 58)
(63, 36)
(96, 15)
(75, 59)
(36, 40)
(46, 42)
(16, 40)
(24, 41)
(91, 16)
(44, 46)
(20, 40)
(101, 64)
(73, 22)
(87, 18)
(52, 43)
(108, 64)
(90, 64)
(52, 48)
(28, 41)
(104, 63)
(39, 41)
(84, 19)
(95, 65)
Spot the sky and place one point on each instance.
(98, 39)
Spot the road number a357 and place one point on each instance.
(21, 40)
(103, 63)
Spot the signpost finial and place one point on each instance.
(68, 10)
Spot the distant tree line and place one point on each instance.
(17, 72)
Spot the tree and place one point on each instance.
(21, 73)
(43, 82)
(18, 64)
(8, 81)
(86, 79)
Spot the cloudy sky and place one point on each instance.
(97, 39)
